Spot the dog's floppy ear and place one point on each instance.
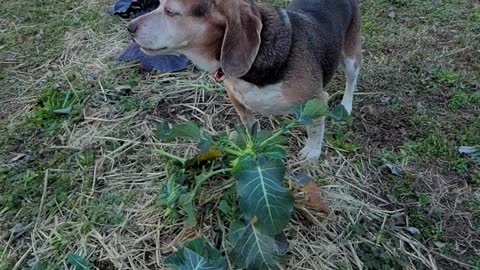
(241, 40)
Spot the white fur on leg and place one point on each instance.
(313, 147)
(351, 73)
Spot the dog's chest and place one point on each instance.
(267, 100)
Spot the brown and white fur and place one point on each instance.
(273, 58)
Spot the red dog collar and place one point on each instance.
(219, 75)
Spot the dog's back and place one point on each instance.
(329, 13)
(325, 24)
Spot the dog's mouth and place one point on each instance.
(150, 51)
(154, 51)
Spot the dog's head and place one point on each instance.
(226, 31)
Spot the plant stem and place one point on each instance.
(233, 145)
(279, 133)
(233, 152)
(172, 156)
(202, 179)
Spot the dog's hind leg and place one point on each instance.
(352, 69)
(352, 59)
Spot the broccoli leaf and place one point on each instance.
(251, 248)
(262, 196)
(187, 130)
(339, 113)
(311, 110)
(197, 255)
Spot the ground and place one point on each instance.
(86, 180)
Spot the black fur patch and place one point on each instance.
(200, 10)
(271, 63)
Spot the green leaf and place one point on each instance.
(191, 217)
(262, 195)
(315, 108)
(79, 263)
(273, 149)
(196, 262)
(67, 110)
(273, 152)
(261, 143)
(281, 244)
(225, 207)
(251, 248)
(202, 247)
(241, 139)
(172, 190)
(310, 110)
(263, 135)
(176, 259)
(40, 266)
(186, 202)
(339, 113)
(187, 130)
(197, 255)
(205, 143)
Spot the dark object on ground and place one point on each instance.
(130, 9)
(162, 63)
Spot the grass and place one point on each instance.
(80, 171)
(462, 100)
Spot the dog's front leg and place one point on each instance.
(245, 114)
(315, 135)
(313, 146)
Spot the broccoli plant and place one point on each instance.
(256, 161)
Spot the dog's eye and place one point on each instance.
(171, 13)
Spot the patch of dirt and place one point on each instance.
(105, 265)
(438, 197)
(382, 127)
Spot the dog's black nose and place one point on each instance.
(132, 27)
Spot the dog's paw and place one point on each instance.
(311, 153)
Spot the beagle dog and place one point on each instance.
(270, 58)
